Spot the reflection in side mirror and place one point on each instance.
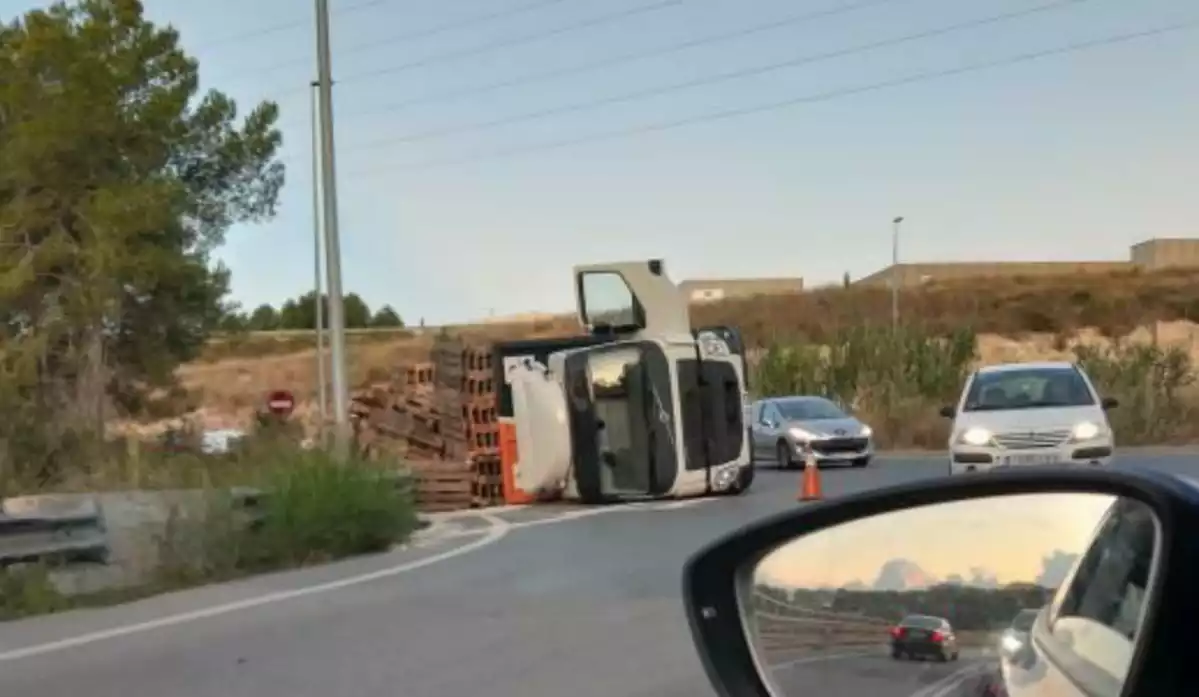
(1110, 403)
(947, 412)
(896, 603)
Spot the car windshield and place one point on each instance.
(1024, 621)
(808, 408)
(1027, 388)
(921, 622)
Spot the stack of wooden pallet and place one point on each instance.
(440, 417)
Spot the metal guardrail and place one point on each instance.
(783, 627)
(52, 529)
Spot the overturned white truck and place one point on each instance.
(641, 406)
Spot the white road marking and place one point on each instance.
(491, 535)
(949, 684)
(497, 530)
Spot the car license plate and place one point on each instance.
(1022, 460)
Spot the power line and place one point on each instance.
(715, 79)
(626, 58)
(791, 102)
(426, 33)
(286, 26)
(514, 41)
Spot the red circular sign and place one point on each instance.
(281, 402)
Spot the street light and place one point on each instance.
(317, 240)
(337, 323)
(895, 271)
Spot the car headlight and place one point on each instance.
(867, 431)
(1086, 430)
(800, 434)
(1011, 643)
(975, 436)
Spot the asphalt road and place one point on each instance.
(875, 674)
(524, 603)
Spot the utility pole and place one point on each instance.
(895, 271)
(317, 242)
(337, 319)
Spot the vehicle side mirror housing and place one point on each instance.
(1109, 403)
(948, 412)
(839, 577)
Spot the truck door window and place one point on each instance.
(607, 300)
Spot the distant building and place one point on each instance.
(919, 273)
(1163, 253)
(1149, 255)
(714, 289)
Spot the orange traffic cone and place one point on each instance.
(809, 488)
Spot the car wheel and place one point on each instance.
(896, 654)
(783, 456)
(954, 656)
(942, 657)
(861, 462)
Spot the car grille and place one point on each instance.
(1028, 440)
(839, 445)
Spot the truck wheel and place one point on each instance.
(745, 479)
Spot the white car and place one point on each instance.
(1021, 414)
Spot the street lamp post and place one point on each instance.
(337, 324)
(317, 242)
(895, 271)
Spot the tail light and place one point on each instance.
(897, 632)
(938, 636)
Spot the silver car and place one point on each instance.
(783, 428)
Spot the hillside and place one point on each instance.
(1016, 318)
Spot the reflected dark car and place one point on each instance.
(924, 636)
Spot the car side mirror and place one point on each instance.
(768, 423)
(1109, 403)
(948, 412)
(829, 593)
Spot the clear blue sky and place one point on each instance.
(1070, 157)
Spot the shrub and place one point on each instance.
(313, 509)
(893, 379)
(28, 590)
(318, 509)
(1154, 387)
(896, 381)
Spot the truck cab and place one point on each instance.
(638, 406)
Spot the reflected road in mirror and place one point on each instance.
(957, 599)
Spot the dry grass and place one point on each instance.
(1016, 318)
(1112, 304)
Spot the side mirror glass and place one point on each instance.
(948, 412)
(1110, 403)
(930, 598)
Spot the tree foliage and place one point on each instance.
(117, 181)
(966, 607)
(300, 313)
